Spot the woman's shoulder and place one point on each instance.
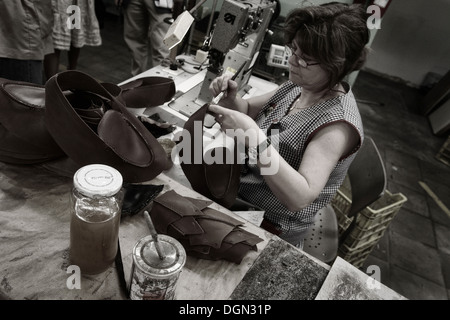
(285, 89)
(289, 85)
(344, 101)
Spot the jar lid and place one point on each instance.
(98, 179)
(146, 257)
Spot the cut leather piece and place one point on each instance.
(184, 240)
(147, 92)
(188, 226)
(219, 182)
(172, 209)
(178, 204)
(219, 236)
(237, 252)
(163, 218)
(233, 253)
(241, 235)
(214, 233)
(141, 162)
(25, 138)
(166, 216)
(203, 250)
(137, 197)
(213, 214)
(199, 203)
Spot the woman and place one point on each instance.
(315, 112)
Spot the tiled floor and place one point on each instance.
(414, 254)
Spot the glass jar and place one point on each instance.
(96, 204)
(153, 278)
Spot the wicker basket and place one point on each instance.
(356, 256)
(356, 251)
(359, 236)
(370, 226)
(371, 219)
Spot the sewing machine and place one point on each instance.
(235, 41)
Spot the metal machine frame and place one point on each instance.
(236, 40)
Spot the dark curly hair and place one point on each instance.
(335, 34)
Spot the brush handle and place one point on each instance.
(154, 235)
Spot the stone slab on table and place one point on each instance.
(282, 272)
(347, 283)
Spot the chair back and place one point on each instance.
(367, 177)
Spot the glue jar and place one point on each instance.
(153, 278)
(96, 204)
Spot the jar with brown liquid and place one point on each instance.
(96, 204)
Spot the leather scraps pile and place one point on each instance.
(204, 232)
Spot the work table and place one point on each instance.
(35, 233)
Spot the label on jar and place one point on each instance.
(146, 287)
(154, 277)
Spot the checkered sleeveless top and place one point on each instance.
(295, 132)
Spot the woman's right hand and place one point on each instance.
(227, 86)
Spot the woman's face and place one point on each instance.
(305, 71)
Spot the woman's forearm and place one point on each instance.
(286, 183)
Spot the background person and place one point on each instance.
(72, 40)
(25, 38)
(320, 128)
(145, 26)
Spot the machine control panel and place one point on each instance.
(278, 57)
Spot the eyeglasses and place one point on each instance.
(302, 62)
